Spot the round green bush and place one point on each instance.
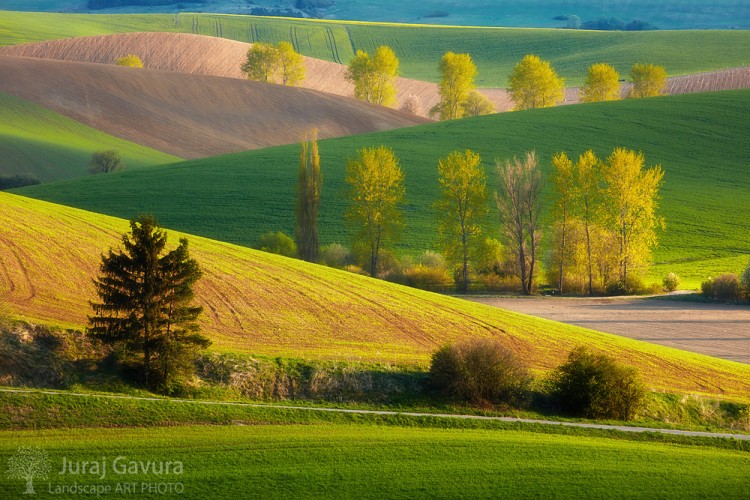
(480, 371)
(596, 386)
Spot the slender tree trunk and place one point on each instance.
(562, 253)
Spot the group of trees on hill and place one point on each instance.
(603, 227)
(533, 82)
(278, 63)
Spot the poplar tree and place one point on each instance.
(374, 78)
(562, 179)
(462, 208)
(631, 195)
(602, 84)
(534, 84)
(376, 189)
(457, 73)
(518, 201)
(145, 306)
(309, 182)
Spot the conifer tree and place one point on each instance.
(145, 306)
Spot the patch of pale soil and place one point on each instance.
(719, 330)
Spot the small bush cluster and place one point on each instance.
(670, 282)
(480, 371)
(278, 243)
(724, 288)
(595, 386)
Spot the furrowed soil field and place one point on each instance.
(700, 141)
(721, 330)
(207, 55)
(418, 47)
(50, 146)
(366, 461)
(269, 305)
(190, 116)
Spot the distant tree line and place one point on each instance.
(110, 4)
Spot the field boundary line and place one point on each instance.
(623, 428)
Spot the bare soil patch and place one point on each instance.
(720, 330)
(189, 115)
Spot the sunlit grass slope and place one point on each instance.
(35, 140)
(700, 140)
(495, 50)
(266, 304)
(367, 461)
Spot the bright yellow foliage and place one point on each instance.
(457, 81)
(631, 197)
(376, 184)
(648, 80)
(477, 104)
(602, 84)
(131, 60)
(274, 64)
(534, 84)
(462, 208)
(374, 78)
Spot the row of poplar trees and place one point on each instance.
(604, 225)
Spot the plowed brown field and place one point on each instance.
(189, 115)
(205, 55)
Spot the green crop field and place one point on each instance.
(37, 141)
(495, 50)
(700, 140)
(263, 304)
(366, 461)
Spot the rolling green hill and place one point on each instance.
(37, 141)
(700, 140)
(495, 50)
(263, 304)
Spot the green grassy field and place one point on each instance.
(365, 461)
(495, 50)
(700, 141)
(35, 140)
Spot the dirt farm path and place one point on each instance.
(720, 330)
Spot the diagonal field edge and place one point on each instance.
(623, 428)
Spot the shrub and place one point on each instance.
(412, 104)
(745, 282)
(633, 286)
(17, 181)
(707, 288)
(595, 386)
(130, 60)
(726, 287)
(427, 278)
(671, 281)
(480, 371)
(278, 243)
(335, 255)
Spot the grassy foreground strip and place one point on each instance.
(325, 460)
(48, 399)
(419, 47)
